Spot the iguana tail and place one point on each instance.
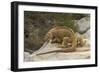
(64, 51)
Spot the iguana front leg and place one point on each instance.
(66, 42)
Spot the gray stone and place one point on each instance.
(27, 57)
(83, 24)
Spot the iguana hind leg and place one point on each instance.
(80, 42)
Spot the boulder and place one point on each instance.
(83, 24)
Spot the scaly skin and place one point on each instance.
(66, 37)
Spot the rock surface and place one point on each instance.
(87, 35)
(80, 53)
(27, 57)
